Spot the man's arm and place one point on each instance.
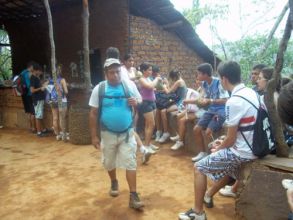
(93, 127)
(229, 140)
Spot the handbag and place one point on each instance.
(164, 100)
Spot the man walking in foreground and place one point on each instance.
(112, 102)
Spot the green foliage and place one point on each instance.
(197, 12)
(246, 52)
(5, 57)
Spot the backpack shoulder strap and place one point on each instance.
(246, 100)
(101, 92)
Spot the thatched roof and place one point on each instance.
(160, 11)
(164, 14)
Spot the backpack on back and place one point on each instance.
(263, 140)
(102, 89)
(52, 94)
(19, 86)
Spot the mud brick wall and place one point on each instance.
(150, 42)
(12, 112)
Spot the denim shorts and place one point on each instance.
(146, 106)
(211, 120)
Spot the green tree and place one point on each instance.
(246, 52)
(5, 56)
(198, 11)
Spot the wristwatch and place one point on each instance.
(212, 101)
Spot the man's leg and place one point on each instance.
(200, 186)
(217, 186)
(32, 122)
(112, 174)
(131, 180)
(198, 138)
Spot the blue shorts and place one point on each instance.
(146, 106)
(211, 120)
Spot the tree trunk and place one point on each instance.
(282, 148)
(85, 18)
(53, 53)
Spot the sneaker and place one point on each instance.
(191, 215)
(134, 201)
(174, 138)
(58, 137)
(177, 145)
(208, 201)
(45, 131)
(150, 150)
(154, 147)
(164, 137)
(146, 156)
(64, 138)
(67, 136)
(41, 134)
(158, 136)
(199, 156)
(227, 191)
(287, 183)
(114, 190)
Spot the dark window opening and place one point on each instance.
(97, 74)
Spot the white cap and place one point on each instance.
(111, 61)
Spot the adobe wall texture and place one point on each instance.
(150, 42)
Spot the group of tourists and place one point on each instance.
(35, 91)
(128, 93)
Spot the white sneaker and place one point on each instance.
(199, 156)
(67, 136)
(146, 156)
(158, 136)
(164, 137)
(150, 150)
(177, 145)
(58, 137)
(174, 138)
(227, 191)
(287, 183)
(154, 147)
(191, 215)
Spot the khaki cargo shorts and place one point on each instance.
(117, 152)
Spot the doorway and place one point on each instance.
(96, 67)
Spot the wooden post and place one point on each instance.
(282, 147)
(53, 53)
(85, 18)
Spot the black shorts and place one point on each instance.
(28, 104)
(146, 106)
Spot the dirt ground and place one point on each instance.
(41, 178)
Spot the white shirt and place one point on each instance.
(241, 113)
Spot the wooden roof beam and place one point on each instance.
(172, 25)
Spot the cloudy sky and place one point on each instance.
(233, 27)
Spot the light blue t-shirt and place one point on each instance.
(116, 113)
